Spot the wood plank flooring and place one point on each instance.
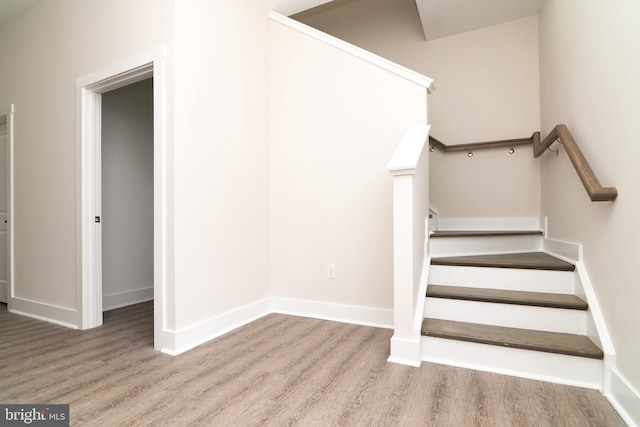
(279, 370)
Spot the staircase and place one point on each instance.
(496, 302)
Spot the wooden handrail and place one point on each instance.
(597, 193)
(480, 145)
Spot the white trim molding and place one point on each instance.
(89, 88)
(571, 252)
(624, 398)
(123, 299)
(597, 329)
(7, 113)
(356, 51)
(62, 316)
(354, 314)
(176, 342)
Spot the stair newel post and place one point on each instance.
(409, 167)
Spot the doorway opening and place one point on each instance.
(148, 67)
(126, 182)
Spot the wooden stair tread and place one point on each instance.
(484, 233)
(529, 260)
(550, 342)
(537, 299)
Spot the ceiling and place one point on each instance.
(9, 9)
(442, 18)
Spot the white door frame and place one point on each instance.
(88, 152)
(6, 115)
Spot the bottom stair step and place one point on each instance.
(550, 342)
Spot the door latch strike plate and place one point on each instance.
(97, 219)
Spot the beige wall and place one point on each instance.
(487, 88)
(217, 131)
(221, 157)
(589, 68)
(43, 52)
(335, 122)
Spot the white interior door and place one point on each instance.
(4, 276)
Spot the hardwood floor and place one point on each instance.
(279, 370)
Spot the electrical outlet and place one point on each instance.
(331, 271)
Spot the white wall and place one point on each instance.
(127, 195)
(335, 122)
(217, 144)
(589, 68)
(487, 88)
(44, 52)
(221, 159)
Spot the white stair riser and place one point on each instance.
(556, 368)
(509, 315)
(562, 282)
(491, 224)
(460, 246)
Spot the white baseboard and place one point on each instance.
(3, 292)
(49, 313)
(123, 299)
(571, 252)
(624, 398)
(357, 315)
(176, 342)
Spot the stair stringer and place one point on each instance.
(597, 330)
(622, 396)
